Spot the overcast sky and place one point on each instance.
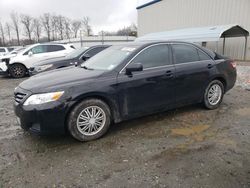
(104, 14)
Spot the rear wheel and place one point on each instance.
(214, 94)
(89, 120)
(17, 70)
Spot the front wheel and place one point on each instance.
(89, 120)
(17, 71)
(213, 94)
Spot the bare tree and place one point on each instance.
(46, 21)
(86, 25)
(2, 33)
(60, 22)
(8, 31)
(67, 27)
(27, 22)
(37, 28)
(16, 25)
(76, 25)
(54, 26)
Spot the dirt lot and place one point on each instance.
(187, 147)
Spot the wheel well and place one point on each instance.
(115, 115)
(223, 81)
(16, 64)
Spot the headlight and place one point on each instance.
(43, 67)
(43, 98)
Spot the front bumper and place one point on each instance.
(48, 118)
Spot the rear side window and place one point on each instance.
(203, 56)
(154, 56)
(95, 51)
(54, 48)
(185, 53)
(2, 50)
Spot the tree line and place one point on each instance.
(23, 29)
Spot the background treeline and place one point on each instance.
(23, 29)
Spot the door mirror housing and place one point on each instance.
(30, 53)
(85, 57)
(134, 67)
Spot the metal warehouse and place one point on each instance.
(168, 15)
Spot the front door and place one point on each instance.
(152, 89)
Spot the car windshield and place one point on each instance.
(76, 52)
(109, 58)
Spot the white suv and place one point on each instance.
(3, 51)
(18, 66)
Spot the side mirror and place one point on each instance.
(85, 57)
(30, 53)
(134, 67)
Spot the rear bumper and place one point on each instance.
(231, 80)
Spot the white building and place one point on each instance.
(167, 15)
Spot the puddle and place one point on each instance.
(188, 131)
(243, 112)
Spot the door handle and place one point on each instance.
(209, 66)
(169, 74)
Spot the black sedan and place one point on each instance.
(120, 83)
(74, 58)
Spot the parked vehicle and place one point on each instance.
(74, 58)
(3, 51)
(120, 83)
(11, 54)
(18, 66)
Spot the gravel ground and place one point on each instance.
(186, 147)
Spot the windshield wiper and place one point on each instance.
(87, 68)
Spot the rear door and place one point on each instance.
(193, 70)
(153, 88)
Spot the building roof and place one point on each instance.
(147, 4)
(198, 34)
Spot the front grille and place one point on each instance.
(19, 97)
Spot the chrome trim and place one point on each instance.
(173, 63)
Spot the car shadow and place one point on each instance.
(115, 130)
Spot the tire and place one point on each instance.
(17, 71)
(210, 102)
(79, 125)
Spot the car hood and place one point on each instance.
(59, 78)
(53, 61)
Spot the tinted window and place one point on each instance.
(154, 56)
(38, 49)
(95, 51)
(203, 56)
(185, 53)
(54, 48)
(2, 50)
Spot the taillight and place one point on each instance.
(233, 63)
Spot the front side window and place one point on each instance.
(185, 53)
(94, 51)
(39, 49)
(154, 56)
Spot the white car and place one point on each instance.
(18, 65)
(3, 51)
